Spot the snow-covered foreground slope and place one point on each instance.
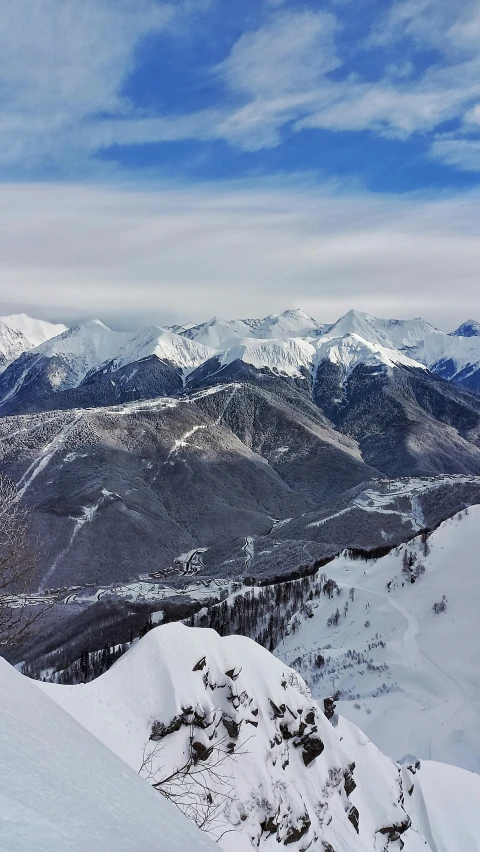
(288, 775)
(61, 790)
(407, 675)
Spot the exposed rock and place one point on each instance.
(349, 782)
(233, 673)
(354, 817)
(311, 748)
(297, 832)
(329, 707)
(200, 752)
(198, 667)
(278, 712)
(160, 730)
(393, 832)
(269, 826)
(233, 727)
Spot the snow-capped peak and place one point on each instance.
(20, 333)
(470, 328)
(217, 332)
(91, 345)
(167, 346)
(392, 333)
(34, 330)
(290, 323)
(352, 349)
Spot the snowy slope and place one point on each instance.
(167, 346)
(12, 344)
(282, 356)
(407, 676)
(288, 344)
(20, 333)
(452, 356)
(63, 362)
(293, 778)
(61, 790)
(292, 356)
(449, 355)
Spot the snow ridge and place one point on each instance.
(293, 777)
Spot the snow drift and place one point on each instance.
(61, 790)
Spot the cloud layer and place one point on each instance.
(175, 254)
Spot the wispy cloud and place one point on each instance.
(62, 63)
(63, 66)
(166, 254)
(455, 151)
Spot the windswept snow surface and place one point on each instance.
(407, 675)
(289, 356)
(281, 356)
(233, 691)
(61, 790)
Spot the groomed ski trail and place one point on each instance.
(428, 729)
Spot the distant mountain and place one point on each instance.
(34, 330)
(470, 328)
(89, 351)
(19, 333)
(217, 332)
(110, 366)
(133, 447)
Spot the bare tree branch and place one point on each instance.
(201, 787)
(17, 569)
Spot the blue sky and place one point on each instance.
(368, 101)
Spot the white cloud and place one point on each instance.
(281, 76)
(454, 151)
(399, 108)
(451, 28)
(61, 62)
(167, 254)
(62, 66)
(289, 55)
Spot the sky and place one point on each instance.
(167, 162)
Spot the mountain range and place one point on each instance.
(41, 361)
(132, 448)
